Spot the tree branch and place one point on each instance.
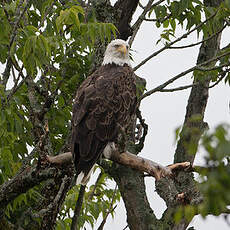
(200, 42)
(54, 206)
(139, 21)
(111, 209)
(173, 42)
(18, 17)
(197, 67)
(128, 159)
(77, 209)
(22, 182)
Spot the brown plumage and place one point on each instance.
(105, 101)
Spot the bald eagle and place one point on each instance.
(104, 102)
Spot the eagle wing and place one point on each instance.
(105, 100)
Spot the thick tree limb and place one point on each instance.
(21, 183)
(125, 9)
(30, 177)
(128, 159)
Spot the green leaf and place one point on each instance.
(68, 17)
(227, 2)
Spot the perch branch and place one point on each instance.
(30, 177)
(128, 159)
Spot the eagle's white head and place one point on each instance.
(117, 52)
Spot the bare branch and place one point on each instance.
(90, 197)
(139, 21)
(173, 42)
(130, 160)
(156, 170)
(178, 88)
(18, 17)
(110, 210)
(200, 42)
(197, 67)
(61, 159)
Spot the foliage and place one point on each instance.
(52, 46)
(213, 178)
(97, 202)
(215, 184)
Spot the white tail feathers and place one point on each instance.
(82, 178)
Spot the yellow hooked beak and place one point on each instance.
(122, 49)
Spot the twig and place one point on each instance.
(213, 67)
(78, 208)
(95, 186)
(162, 86)
(18, 17)
(178, 88)
(125, 227)
(173, 42)
(158, 20)
(110, 210)
(200, 42)
(220, 79)
(17, 86)
(45, 15)
(141, 5)
(139, 21)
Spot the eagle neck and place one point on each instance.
(113, 65)
(116, 61)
